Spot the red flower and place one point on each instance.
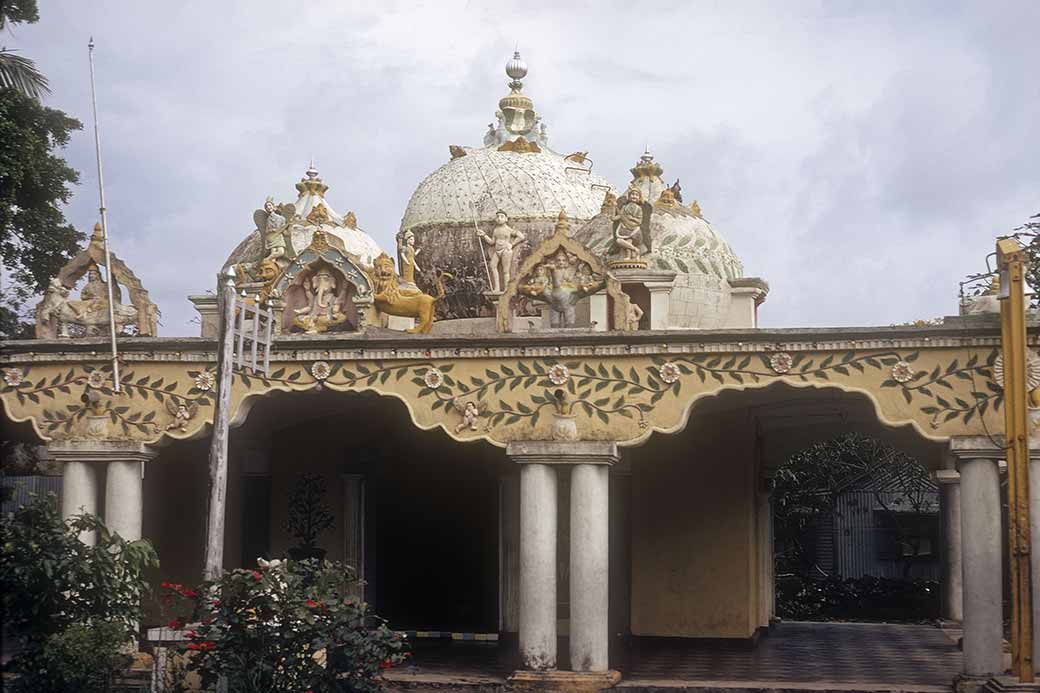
(257, 575)
(188, 593)
(175, 623)
(164, 584)
(386, 664)
(204, 646)
(311, 604)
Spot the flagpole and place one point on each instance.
(104, 226)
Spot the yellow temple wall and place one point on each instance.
(695, 571)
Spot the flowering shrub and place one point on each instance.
(292, 626)
(70, 608)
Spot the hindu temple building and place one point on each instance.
(547, 419)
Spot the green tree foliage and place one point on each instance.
(309, 515)
(292, 626)
(59, 595)
(16, 71)
(35, 238)
(808, 484)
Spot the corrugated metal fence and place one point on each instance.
(866, 540)
(24, 487)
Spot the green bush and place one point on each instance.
(81, 658)
(868, 598)
(60, 595)
(292, 626)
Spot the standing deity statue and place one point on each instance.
(408, 254)
(272, 221)
(632, 226)
(503, 241)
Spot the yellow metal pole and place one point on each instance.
(1011, 261)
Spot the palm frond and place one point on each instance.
(20, 73)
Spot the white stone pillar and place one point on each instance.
(79, 493)
(953, 584)
(538, 566)
(124, 470)
(124, 501)
(589, 588)
(660, 304)
(589, 562)
(599, 315)
(981, 558)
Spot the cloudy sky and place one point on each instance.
(860, 156)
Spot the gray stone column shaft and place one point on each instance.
(509, 553)
(981, 561)
(124, 498)
(538, 566)
(354, 528)
(589, 588)
(953, 581)
(79, 493)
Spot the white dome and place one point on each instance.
(303, 225)
(531, 185)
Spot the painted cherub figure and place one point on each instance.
(470, 412)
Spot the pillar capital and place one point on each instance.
(965, 448)
(945, 477)
(101, 451)
(563, 452)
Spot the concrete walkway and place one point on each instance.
(846, 657)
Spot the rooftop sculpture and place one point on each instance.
(59, 315)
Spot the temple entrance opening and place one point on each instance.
(416, 514)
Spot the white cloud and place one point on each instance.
(859, 157)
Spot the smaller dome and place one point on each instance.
(683, 242)
(310, 212)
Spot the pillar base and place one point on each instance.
(577, 681)
(963, 683)
(1009, 684)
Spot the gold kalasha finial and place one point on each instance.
(562, 225)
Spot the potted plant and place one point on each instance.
(309, 516)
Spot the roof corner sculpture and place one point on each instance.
(58, 315)
(560, 272)
(394, 297)
(631, 231)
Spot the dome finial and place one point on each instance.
(311, 172)
(516, 70)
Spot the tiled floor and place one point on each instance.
(842, 654)
(839, 653)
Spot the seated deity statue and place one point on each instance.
(324, 308)
(90, 312)
(561, 282)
